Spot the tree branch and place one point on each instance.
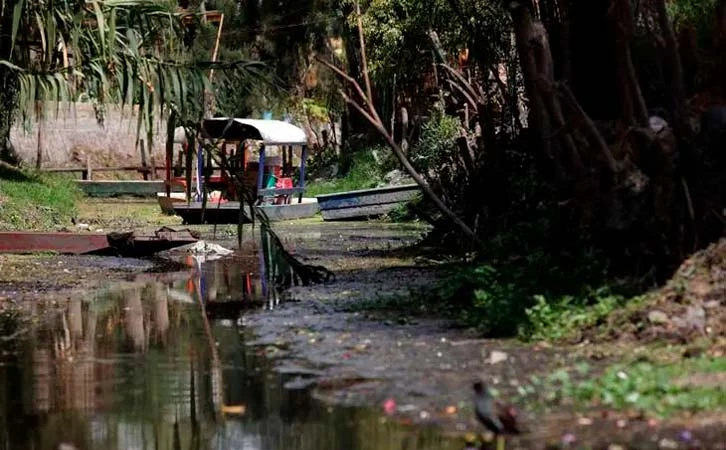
(364, 60)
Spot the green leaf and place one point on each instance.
(101, 24)
(17, 14)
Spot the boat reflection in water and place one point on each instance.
(141, 366)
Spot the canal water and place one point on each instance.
(161, 362)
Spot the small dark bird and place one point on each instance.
(498, 418)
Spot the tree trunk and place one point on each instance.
(404, 129)
(673, 68)
(538, 120)
(353, 123)
(39, 154)
(8, 100)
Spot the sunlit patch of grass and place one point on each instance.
(36, 201)
(659, 390)
(364, 174)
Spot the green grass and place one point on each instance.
(32, 201)
(363, 174)
(658, 390)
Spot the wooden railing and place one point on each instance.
(87, 172)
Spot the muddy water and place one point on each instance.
(159, 364)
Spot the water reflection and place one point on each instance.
(226, 284)
(135, 368)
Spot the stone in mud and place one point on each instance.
(396, 178)
(66, 446)
(693, 320)
(667, 444)
(495, 357)
(713, 304)
(658, 317)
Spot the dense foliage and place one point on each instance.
(561, 131)
(555, 130)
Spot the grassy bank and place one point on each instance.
(364, 173)
(32, 201)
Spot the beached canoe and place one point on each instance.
(365, 203)
(127, 244)
(229, 212)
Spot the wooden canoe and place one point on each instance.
(129, 244)
(228, 212)
(365, 203)
(115, 188)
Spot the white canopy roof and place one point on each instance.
(270, 132)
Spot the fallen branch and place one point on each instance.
(372, 117)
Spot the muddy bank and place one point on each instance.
(36, 277)
(326, 339)
(426, 366)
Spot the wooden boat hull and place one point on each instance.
(115, 188)
(224, 213)
(365, 203)
(228, 213)
(293, 211)
(120, 244)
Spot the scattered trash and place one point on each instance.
(584, 421)
(495, 357)
(424, 415)
(652, 423)
(568, 439)
(658, 317)
(406, 408)
(615, 447)
(209, 249)
(66, 446)
(686, 436)
(621, 423)
(667, 444)
(389, 406)
(236, 410)
(450, 409)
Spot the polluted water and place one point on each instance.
(162, 362)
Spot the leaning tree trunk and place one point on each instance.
(352, 123)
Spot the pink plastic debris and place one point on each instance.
(389, 406)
